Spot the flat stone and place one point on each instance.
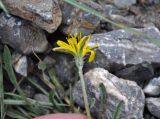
(153, 105)
(119, 49)
(149, 2)
(146, 16)
(153, 87)
(21, 35)
(20, 64)
(45, 13)
(140, 73)
(76, 20)
(117, 90)
(41, 97)
(124, 3)
(65, 69)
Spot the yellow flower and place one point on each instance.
(77, 45)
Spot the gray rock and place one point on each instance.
(49, 61)
(153, 105)
(139, 73)
(150, 2)
(76, 20)
(65, 69)
(20, 64)
(148, 15)
(119, 49)
(117, 90)
(44, 13)
(124, 3)
(41, 97)
(28, 89)
(153, 87)
(148, 116)
(21, 35)
(120, 16)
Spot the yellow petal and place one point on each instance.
(92, 56)
(82, 43)
(79, 36)
(65, 46)
(92, 47)
(84, 52)
(60, 49)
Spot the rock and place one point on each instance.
(20, 64)
(28, 89)
(153, 105)
(148, 116)
(21, 35)
(149, 2)
(148, 15)
(153, 87)
(119, 49)
(119, 16)
(117, 90)
(125, 20)
(124, 3)
(49, 61)
(65, 69)
(45, 13)
(41, 97)
(76, 20)
(139, 73)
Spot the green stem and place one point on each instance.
(79, 64)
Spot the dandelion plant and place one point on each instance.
(77, 45)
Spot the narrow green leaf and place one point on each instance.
(118, 110)
(37, 85)
(7, 59)
(102, 98)
(14, 114)
(1, 92)
(42, 66)
(24, 112)
(8, 66)
(53, 77)
(92, 103)
(3, 7)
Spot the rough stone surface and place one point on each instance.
(65, 69)
(149, 2)
(117, 90)
(153, 87)
(153, 105)
(118, 49)
(21, 35)
(139, 73)
(136, 16)
(44, 13)
(49, 61)
(41, 97)
(76, 20)
(28, 89)
(146, 16)
(124, 3)
(20, 64)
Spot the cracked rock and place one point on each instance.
(44, 13)
(21, 35)
(117, 90)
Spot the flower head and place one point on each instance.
(77, 45)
